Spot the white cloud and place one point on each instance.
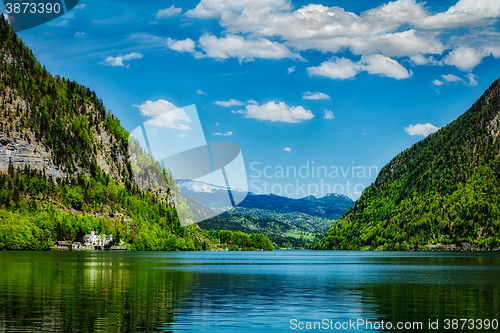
(315, 96)
(399, 44)
(80, 34)
(200, 92)
(472, 79)
(118, 61)
(384, 66)
(336, 68)
(231, 102)
(464, 58)
(331, 29)
(168, 12)
(329, 114)
(252, 101)
(401, 28)
(182, 135)
(451, 78)
(391, 31)
(223, 134)
(214, 8)
(186, 45)
(465, 13)
(288, 149)
(420, 129)
(165, 114)
(420, 59)
(153, 109)
(233, 46)
(80, 6)
(492, 49)
(343, 68)
(381, 36)
(278, 112)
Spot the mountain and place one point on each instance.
(283, 234)
(331, 206)
(287, 222)
(67, 167)
(442, 192)
(213, 196)
(202, 187)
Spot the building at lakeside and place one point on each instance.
(91, 241)
(62, 245)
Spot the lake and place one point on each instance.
(279, 291)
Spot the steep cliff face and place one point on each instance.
(21, 152)
(20, 146)
(443, 191)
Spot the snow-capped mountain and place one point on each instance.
(201, 187)
(331, 206)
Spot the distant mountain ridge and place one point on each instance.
(443, 192)
(331, 206)
(286, 221)
(202, 187)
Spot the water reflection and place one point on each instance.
(239, 292)
(79, 292)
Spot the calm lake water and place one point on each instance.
(243, 291)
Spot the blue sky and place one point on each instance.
(337, 83)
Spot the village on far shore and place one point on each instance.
(91, 242)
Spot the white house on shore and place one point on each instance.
(92, 240)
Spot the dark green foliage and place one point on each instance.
(67, 117)
(444, 190)
(286, 221)
(279, 232)
(301, 221)
(237, 240)
(37, 211)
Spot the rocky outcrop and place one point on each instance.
(21, 147)
(21, 152)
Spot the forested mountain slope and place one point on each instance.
(444, 190)
(66, 167)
